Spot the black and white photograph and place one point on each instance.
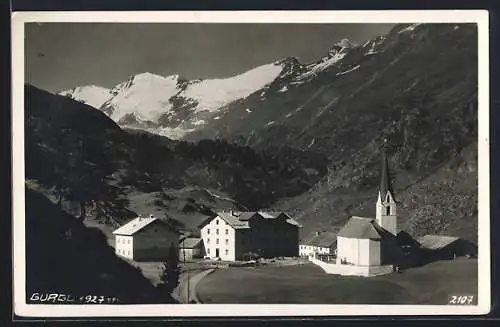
(205, 163)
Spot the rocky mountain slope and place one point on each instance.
(415, 86)
(85, 163)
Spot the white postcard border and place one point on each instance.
(480, 17)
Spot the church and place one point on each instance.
(371, 242)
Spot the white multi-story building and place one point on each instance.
(231, 235)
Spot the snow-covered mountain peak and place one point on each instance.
(345, 44)
(212, 94)
(91, 95)
(146, 95)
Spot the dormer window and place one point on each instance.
(388, 210)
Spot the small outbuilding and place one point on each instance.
(441, 247)
(191, 248)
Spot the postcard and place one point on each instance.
(250, 163)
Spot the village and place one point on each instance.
(364, 247)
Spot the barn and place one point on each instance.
(145, 239)
(441, 247)
(191, 248)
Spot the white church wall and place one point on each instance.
(374, 249)
(348, 249)
(351, 270)
(364, 252)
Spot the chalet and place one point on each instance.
(145, 239)
(233, 235)
(191, 248)
(320, 243)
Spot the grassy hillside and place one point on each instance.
(63, 256)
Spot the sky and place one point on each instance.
(60, 56)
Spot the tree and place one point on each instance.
(169, 278)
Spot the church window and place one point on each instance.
(388, 210)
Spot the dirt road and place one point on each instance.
(194, 276)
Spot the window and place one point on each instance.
(208, 230)
(217, 222)
(217, 231)
(217, 241)
(129, 241)
(128, 252)
(227, 241)
(227, 252)
(208, 240)
(388, 210)
(208, 251)
(227, 231)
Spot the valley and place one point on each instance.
(302, 138)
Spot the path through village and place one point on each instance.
(194, 276)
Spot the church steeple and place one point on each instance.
(385, 178)
(386, 203)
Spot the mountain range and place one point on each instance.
(300, 137)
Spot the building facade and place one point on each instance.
(145, 239)
(323, 243)
(231, 235)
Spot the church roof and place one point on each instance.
(385, 178)
(363, 228)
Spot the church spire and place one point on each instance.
(386, 206)
(385, 178)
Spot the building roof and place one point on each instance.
(361, 227)
(293, 222)
(385, 178)
(269, 214)
(324, 239)
(435, 242)
(276, 214)
(190, 242)
(136, 225)
(239, 219)
(405, 239)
